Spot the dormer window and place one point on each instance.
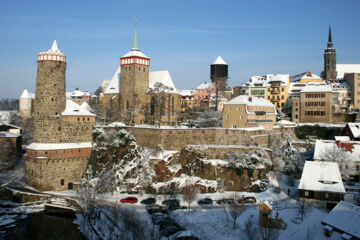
(327, 182)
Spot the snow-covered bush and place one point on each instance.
(250, 160)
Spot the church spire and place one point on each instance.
(330, 43)
(135, 42)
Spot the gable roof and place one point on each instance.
(113, 86)
(73, 109)
(345, 217)
(355, 129)
(315, 175)
(351, 149)
(316, 87)
(161, 77)
(250, 101)
(305, 76)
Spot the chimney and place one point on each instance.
(338, 143)
(308, 74)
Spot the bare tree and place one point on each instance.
(340, 156)
(135, 227)
(236, 208)
(250, 229)
(302, 209)
(209, 119)
(190, 191)
(159, 95)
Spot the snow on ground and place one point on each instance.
(215, 224)
(339, 125)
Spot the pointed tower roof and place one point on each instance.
(220, 61)
(53, 54)
(135, 42)
(25, 94)
(330, 38)
(330, 43)
(54, 47)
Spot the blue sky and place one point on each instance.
(255, 37)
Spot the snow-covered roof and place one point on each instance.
(257, 81)
(25, 94)
(9, 135)
(54, 47)
(205, 85)
(285, 123)
(78, 93)
(351, 149)
(305, 76)
(342, 138)
(355, 129)
(345, 217)
(268, 204)
(346, 68)
(113, 86)
(219, 60)
(338, 85)
(186, 92)
(56, 146)
(250, 101)
(161, 77)
(316, 87)
(86, 106)
(73, 109)
(135, 53)
(321, 176)
(282, 78)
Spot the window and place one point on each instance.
(296, 116)
(326, 195)
(234, 126)
(78, 119)
(88, 119)
(306, 193)
(282, 97)
(227, 116)
(282, 89)
(357, 167)
(62, 182)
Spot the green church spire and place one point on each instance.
(135, 42)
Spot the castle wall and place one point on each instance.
(55, 169)
(177, 139)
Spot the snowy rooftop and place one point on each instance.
(250, 101)
(53, 50)
(186, 92)
(351, 149)
(345, 217)
(113, 86)
(86, 106)
(342, 138)
(282, 78)
(316, 87)
(285, 123)
(219, 60)
(338, 85)
(355, 129)
(57, 146)
(9, 135)
(161, 77)
(346, 68)
(73, 109)
(205, 85)
(78, 93)
(305, 76)
(135, 53)
(25, 94)
(321, 176)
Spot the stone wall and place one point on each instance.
(49, 101)
(220, 152)
(55, 169)
(77, 128)
(10, 152)
(177, 139)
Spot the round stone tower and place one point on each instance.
(219, 73)
(25, 103)
(50, 98)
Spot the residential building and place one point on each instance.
(187, 99)
(341, 96)
(257, 87)
(277, 89)
(353, 79)
(342, 220)
(246, 111)
(345, 153)
(352, 130)
(321, 184)
(203, 93)
(315, 104)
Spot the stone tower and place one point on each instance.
(329, 72)
(50, 99)
(219, 73)
(25, 104)
(134, 83)
(62, 144)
